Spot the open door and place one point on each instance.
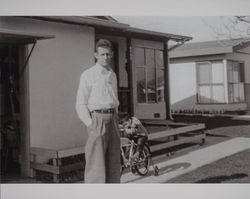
(14, 107)
(122, 74)
(148, 79)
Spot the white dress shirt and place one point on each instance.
(97, 90)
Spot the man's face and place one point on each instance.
(103, 56)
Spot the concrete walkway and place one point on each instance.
(191, 161)
(241, 117)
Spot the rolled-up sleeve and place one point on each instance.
(82, 97)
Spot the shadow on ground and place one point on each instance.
(166, 169)
(220, 179)
(173, 167)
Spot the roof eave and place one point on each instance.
(115, 26)
(15, 36)
(166, 36)
(241, 46)
(77, 20)
(200, 52)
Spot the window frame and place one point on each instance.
(210, 84)
(241, 79)
(156, 68)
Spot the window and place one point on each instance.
(210, 78)
(149, 75)
(235, 82)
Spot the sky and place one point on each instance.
(201, 28)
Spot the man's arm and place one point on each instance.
(82, 101)
(116, 90)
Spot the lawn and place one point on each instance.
(232, 169)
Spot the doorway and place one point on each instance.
(148, 79)
(10, 111)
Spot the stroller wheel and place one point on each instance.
(133, 170)
(142, 165)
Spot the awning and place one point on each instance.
(8, 36)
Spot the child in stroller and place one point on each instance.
(132, 125)
(132, 128)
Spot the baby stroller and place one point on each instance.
(135, 151)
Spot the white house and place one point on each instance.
(211, 77)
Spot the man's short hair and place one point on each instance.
(104, 43)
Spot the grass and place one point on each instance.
(232, 169)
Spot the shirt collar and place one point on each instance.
(102, 69)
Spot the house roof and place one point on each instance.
(113, 26)
(109, 18)
(210, 47)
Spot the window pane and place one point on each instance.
(241, 72)
(203, 73)
(235, 73)
(160, 85)
(241, 92)
(230, 71)
(218, 94)
(151, 83)
(139, 57)
(150, 62)
(205, 95)
(217, 72)
(159, 58)
(236, 93)
(141, 84)
(230, 93)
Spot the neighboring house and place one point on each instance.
(45, 56)
(210, 77)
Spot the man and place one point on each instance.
(96, 106)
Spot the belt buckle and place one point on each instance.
(109, 110)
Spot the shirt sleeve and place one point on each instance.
(82, 97)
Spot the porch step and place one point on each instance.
(176, 131)
(158, 122)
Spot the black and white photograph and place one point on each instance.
(124, 99)
(90, 99)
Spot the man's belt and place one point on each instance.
(108, 110)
